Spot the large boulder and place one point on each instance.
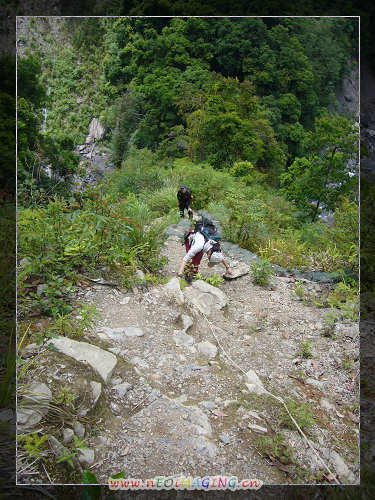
(96, 129)
(101, 361)
(34, 405)
(204, 297)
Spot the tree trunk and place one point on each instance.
(316, 211)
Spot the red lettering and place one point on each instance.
(222, 483)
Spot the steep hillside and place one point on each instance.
(178, 384)
(123, 368)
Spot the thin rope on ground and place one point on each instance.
(280, 400)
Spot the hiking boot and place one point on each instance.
(188, 279)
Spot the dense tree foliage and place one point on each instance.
(323, 177)
(238, 89)
(235, 107)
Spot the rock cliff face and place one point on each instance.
(348, 95)
(94, 157)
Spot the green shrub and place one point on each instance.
(329, 322)
(35, 446)
(64, 239)
(134, 179)
(261, 272)
(305, 350)
(285, 252)
(300, 412)
(275, 447)
(214, 280)
(206, 183)
(162, 201)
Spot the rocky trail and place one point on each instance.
(157, 395)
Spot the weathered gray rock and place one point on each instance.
(253, 383)
(257, 428)
(120, 333)
(140, 274)
(207, 349)
(125, 301)
(86, 456)
(224, 438)
(122, 389)
(207, 404)
(30, 349)
(253, 414)
(173, 290)
(183, 339)
(96, 390)
(96, 129)
(239, 270)
(34, 405)
(101, 361)
(115, 409)
(204, 297)
(59, 451)
(200, 421)
(116, 350)
(338, 463)
(187, 322)
(79, 430)
(132, 331)
(57, 448)
(344, 330)
(68, 436)
(204, 447)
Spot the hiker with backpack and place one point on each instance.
(203, 239)
(185, 198)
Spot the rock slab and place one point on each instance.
(253, 383)
(204, 297)
(121, 332)
(101, 361)
(34, 405)
(86, 457)
(238, 271)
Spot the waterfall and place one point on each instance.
(45, 112)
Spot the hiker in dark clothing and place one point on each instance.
(185, 198)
